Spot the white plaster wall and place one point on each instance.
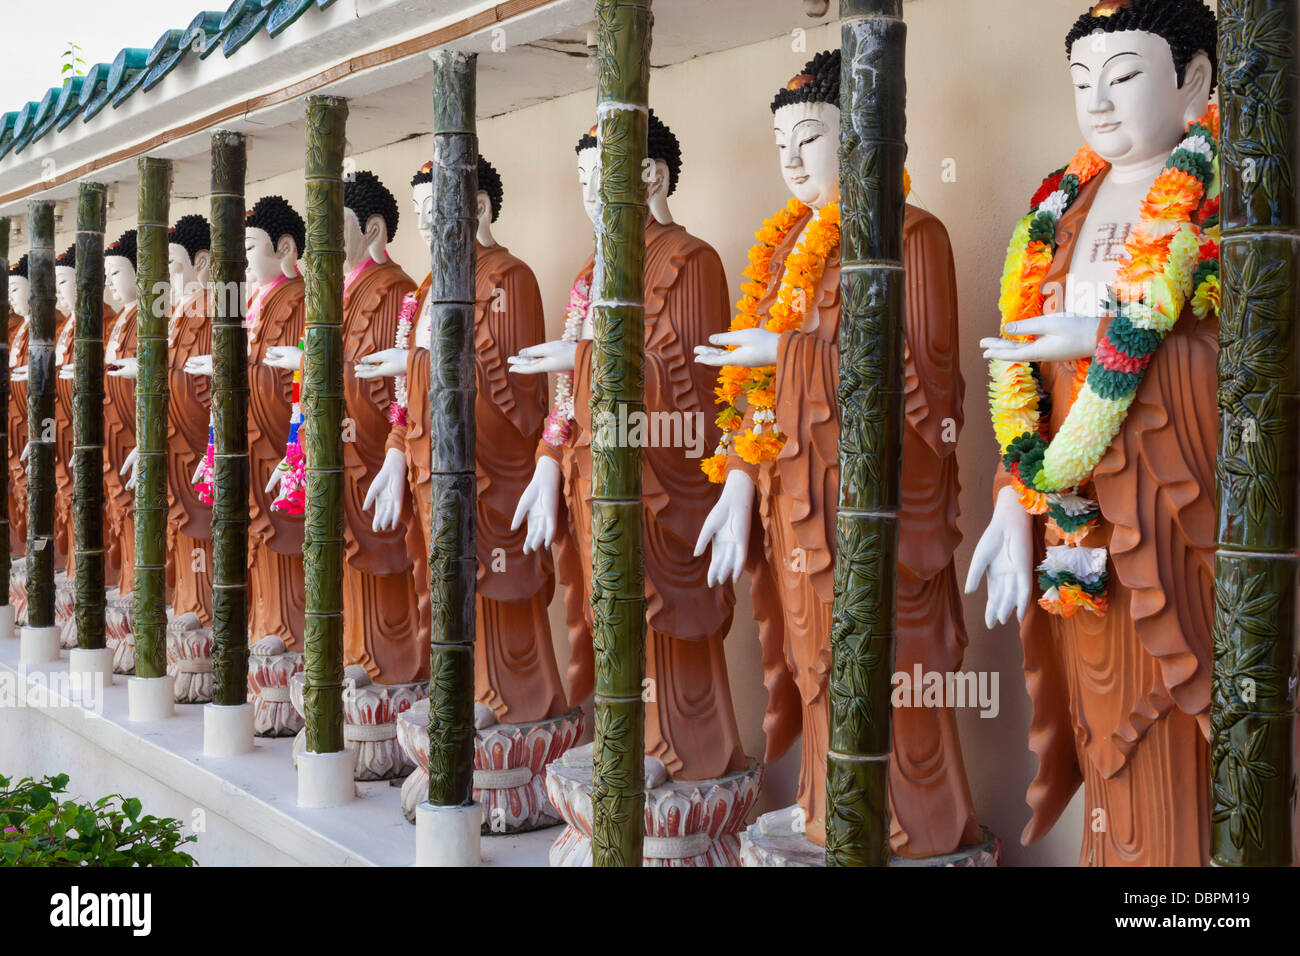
(989, 95)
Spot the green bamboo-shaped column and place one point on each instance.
(1253, 698)
(5, 557)
(453, 557)
(618, 388)
(872, 153)
(40, 416)
(88, 417)
(322, 434)
(230, 424)
(151, 393)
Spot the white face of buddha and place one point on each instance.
(119, 275)
(263, 263)
(807, 138)
(179, 266)
(422, 202)
(589, 179)
(65, 288)
(19, 295)
(1127, 100)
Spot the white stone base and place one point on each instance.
(227, 730)
(325, 780)
(509, 768)
(270, 669)
(90, 662)
(119, 630)
(65, 605)
(189, 659)
(448, 836)
(8, 626)
(40, 645)
(758, 848)
(688, 822)
(150, 699)
(370, 713)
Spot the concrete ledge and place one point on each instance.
(243, 808)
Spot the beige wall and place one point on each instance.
(989, 97)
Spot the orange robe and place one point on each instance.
(189, 520)
(690, 723)
(65, 326)
(380, 609)
(17, 426)
(1121, 702)
(119, 440)
(514, 660)
(274, 538)
(932, 810)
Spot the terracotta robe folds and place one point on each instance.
(690, 724)
(380, 609)
(1121, 702)
(119, 440)
(797, 500)
(274, 539)
(189, 520)
(514, 661)
(16, 421)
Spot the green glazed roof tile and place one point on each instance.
(166, 54)
(284, 14)
(248, 18)
(201, 36)
(94, 83)
(69, 104)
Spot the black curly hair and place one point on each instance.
(124, 247)
(366, 196)
(819, 82)
(489, 181)
(275, 217)
(69, 258)
(662, 145)
(19, 268)
(1188, 26)
(193, 233)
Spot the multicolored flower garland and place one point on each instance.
(405, 318)
(1169, 260)
(292, 499)
(556, 431)
(800, 285)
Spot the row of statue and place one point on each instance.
(1117, 651)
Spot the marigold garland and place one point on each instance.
(800, 285)
(1169, 261)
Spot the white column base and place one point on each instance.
(448, 836)
(325, 780)
(88, 663)
(40, 645)
(227, 730)
(150, 698)
(7, 614)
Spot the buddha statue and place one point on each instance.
(65, 291)
(189, 334)
(1117, 646)
(690, 726)
(380, 608)
(516, 675)
(19, 315)
(120, 370)
(780, 446)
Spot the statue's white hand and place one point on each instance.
(18, 373)
(1004, 554)
(540, 505)
(757, 348)
(277, 476)
(67, 370)
(27, 448)
(383, 364)
(386, 492)
(194, 479)
(1062, 337)
(726, 529)
(128, 368)
(199, 365)
(548, 357)
(284, 356)
(128, 469)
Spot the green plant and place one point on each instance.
(73, 61)
(40, 830)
